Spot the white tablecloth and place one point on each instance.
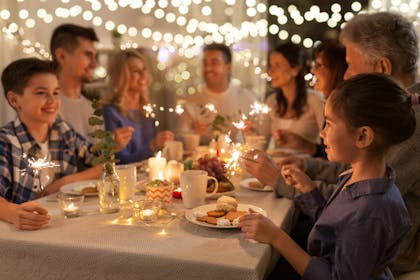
(91, 247)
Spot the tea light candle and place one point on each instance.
(173, 171)
(157, 166)
(177, 193)
(71, 210)
(147, 214)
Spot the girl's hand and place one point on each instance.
(258, 227)
(295, 177)
(29, 216)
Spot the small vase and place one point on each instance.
(108, 187)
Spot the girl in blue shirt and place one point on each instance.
(124, 113)
(357, 232)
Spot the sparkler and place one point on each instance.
(37, 164)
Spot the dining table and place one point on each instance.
(103, 246)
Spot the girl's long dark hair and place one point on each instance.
(295, 56)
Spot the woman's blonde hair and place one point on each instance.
(119, 78)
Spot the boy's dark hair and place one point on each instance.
(16, 75)
(375, 100)
(227, 53)
(65, 36)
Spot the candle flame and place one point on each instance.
(159, 155)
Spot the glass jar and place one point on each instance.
(108, 188)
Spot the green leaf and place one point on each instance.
(98, 112)
(99, 133)
(95, 121)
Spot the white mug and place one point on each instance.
(191, 141)
(173, 150)
(194, 187)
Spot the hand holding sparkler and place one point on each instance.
(261, 166)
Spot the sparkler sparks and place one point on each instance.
(37, 165)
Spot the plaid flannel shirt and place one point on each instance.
(68, 149)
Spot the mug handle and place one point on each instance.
(215, 187)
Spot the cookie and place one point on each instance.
(207, 219)
(202, 219)
(232, 215)
(89, 190)
(216, 213)
(255, 184)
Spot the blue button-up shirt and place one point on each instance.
(67, 149)
(357, 231)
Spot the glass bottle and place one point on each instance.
(108, 188)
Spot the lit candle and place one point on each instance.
(157, 166)
(71, 210)
(177, 193)
(173, 171)
(147, 214)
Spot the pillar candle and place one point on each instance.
(157, 166)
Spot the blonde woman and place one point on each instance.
(129, 81)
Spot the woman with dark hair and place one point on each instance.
(329, 66)
(296, 115)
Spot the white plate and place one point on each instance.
(245, 184)
(217, 195)
(189, 214)
(77, 187)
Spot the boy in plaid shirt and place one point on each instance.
(31, 88)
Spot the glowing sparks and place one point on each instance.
(211, 107)
(37, 165)
(259, 108)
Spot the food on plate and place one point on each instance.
(216, 213)
(226, 203)
(255, 184)
(207, 219)
(89, 189)
(232, 215)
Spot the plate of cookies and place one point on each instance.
(223, 214)
(255, 185)
(87, 187)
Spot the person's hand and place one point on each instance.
(295, 177)
(162, 137)
(29, 216)
(292, 160)
(249, 128)
(287, 139)
(259, 165)
(201, 128)
(123, 136)
(258, 227)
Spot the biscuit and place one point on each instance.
(255, 184)
(212, 220)
(89, 190)
(232, 215)
(216, 213)
(207, 219)
(202, 219)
